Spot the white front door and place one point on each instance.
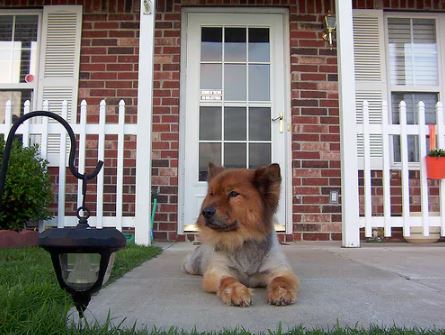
(235, 101)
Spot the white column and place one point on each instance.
(144, 120)
(348, 138)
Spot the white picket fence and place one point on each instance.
(406, 219)
(42, 128)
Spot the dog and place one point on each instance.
(240, 249)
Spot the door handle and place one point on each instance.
(281, 119)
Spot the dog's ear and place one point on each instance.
(267, 180)
(213, 170)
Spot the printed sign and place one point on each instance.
(211, 95)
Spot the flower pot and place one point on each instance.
(435, 167)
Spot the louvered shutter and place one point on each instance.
(59, 64)
(370, 76)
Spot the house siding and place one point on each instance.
(108, 69)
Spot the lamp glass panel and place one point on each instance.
(80, 270)
(109, 268)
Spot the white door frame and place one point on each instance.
(287, 169)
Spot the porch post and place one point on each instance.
(348, 137)
(144, 118)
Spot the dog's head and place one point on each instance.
(239, 205)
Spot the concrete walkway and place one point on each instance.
(384, 284)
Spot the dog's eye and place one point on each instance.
(233, 194)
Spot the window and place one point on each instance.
(413, 74)
(19, 35)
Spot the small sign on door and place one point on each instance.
(211, 95)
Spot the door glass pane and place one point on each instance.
(259, 83)
(211, 44)
(208, 152)
(211, 76)
(412, 100)
(235, 155)
(235, 82)
(210, 123)
(259, 124)
(259, 154)
(235, 44)
(235, 123)
(259, 45)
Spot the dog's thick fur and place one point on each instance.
(240, 248)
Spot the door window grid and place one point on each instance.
(246, 103)
(405, 81)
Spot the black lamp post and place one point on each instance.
(82, 256)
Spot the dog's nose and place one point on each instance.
(208, 212)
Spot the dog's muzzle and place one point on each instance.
(213, 222)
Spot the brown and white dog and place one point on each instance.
(239, 247)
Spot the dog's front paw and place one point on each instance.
(233, 293)
(282, 291)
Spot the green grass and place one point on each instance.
(31, 301)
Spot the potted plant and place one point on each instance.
(435, 164)
(26, 197)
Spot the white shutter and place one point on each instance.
(370, 75)
(59, 64)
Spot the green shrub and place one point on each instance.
(437, 153)
(27, 192)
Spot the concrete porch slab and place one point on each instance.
(384, 285)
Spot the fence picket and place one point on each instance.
(405, 169)
(367, 170)
(82, 147)
(441, 144)
(26, 110)
(386, 172)
(44, 133)
(120, 165)
(422, 163)
(100, 156)
(62, 171)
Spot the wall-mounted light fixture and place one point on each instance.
(329, 26)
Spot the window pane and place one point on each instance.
(211, 44)
(412, 100)
(208, 152)
(259, 83)
(235, 155)
(235, 82)
(235, 44)
(18, 56)
(6, 28)
(235, 126)
(210, 123)
(211, 76)
(259, 45)
(413, 148)
(412, 52)
(259, 154)
(259, 123)
(26, 29)
(17, 98)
